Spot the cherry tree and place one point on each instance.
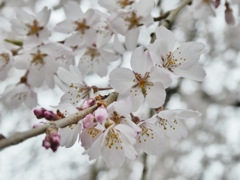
(114, 68)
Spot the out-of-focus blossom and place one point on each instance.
(127, 21)
(32, 28)
(202, 9)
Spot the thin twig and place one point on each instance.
(72, 119)
(171, 17)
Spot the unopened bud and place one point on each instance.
(88, 121)
(38, 125)
(52, 141)
(39, 113)
(88, 103)
(229, 18)
(49, 115)
(217, 3)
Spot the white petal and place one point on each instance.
(128, 132)
(64, 27)
(121, 79)
(144, 7)
(165, 40)
(114, 155)
(43, 16)
(69, 135)
(188, 54)
(156, 95)
(151, 139)
(188, 114)
(132, 38)
(196, 72)
(117, 45)
(159, 75)
(72, 10)
(95, 151)
(140, 63)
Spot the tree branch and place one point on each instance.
(170, 16)
(72, 119)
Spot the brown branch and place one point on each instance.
(171, 17)
(72, 119)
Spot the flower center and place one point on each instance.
(38, 58)
(167, 123)
(34, 28)
(124, 3)
(133, 20)
(81, 26)
(113, 139)
(171, 61)
(116, 117)
(92, 52)
(142, 82)
(145, 132)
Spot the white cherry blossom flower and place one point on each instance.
(77, 88)
(116, 142)
(170, 122)
(70, 133)
(181, 62)
(32, 27)
(142, 82)
(16, 95)
(79, 24)
(127, 21)
(150, 140)
(95, 59)
(42, 62)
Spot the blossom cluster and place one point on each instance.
(93, 40)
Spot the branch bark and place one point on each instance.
(169, 17)
(72, 119)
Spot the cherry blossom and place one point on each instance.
(181, 62)
(150, 140)
(127, 21)
(118, 137)
(95, 59)
(143, 82)
(77, 88)
(33, 27)
(16, 95)
(170, 122)
(79, 24)
(70, 133)
(42, 62)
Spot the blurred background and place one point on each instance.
(210, 152)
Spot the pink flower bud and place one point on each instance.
(38, 125)
(39, 113)
(101, 114)
(229, 18)
(49, 115)
(52, 141)
(88, 103)
(88, 121)
(217, 3)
